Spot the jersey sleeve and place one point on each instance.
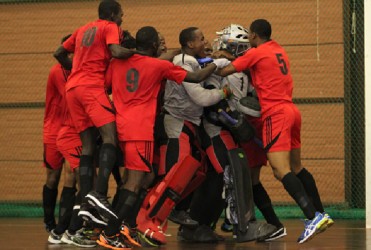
(246, 61)
(70, 43)
(112, 34)
(174, 73)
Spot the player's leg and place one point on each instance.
(138, 162)
(65, 206)
(277, 141)
(53, 162)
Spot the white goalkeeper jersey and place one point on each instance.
(186, 101)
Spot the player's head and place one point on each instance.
(193, 41)
(127, 41)
(110, 10)
(147, 40)
(259, 29)
(208, 49)
(162, 43)
(233, 39)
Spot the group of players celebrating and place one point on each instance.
(191, 128)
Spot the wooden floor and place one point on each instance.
(29, 234)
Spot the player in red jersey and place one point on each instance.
(271, 76)
(53, 159)
(135, 86)
(93, 45)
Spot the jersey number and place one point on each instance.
(89, 36)
(132, 78)
(282, 62)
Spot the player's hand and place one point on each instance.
(221, 62)
(226, 92)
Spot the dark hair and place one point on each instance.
(145, 37)
(65, 38)
(128, 41)
(187, 35)
(262, 28)
(107, 8)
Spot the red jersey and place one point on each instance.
(55, 104)
(91, 53)
(270, 71)
(135, 84)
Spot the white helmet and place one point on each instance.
(233, 38)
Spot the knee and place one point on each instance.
(52, 179)
(69, 180)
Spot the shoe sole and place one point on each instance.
(100, 207)
(54, 241)
(86, 216)
(129, 238)
(111, 247)
(321, 227)
(275, 237)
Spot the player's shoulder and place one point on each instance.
(182, 59)
(56, 68)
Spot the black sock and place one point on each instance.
(107, 159)
(65, 209)
(126, 203)
(310, 187)
(131, 220)
(296, 190)
(49, 201)
(264, 204)
(76, 221)
(86, 169)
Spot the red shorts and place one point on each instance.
(138, 155)
(256, 156)
(53, 158)
(69, 144)
(281, 128)
(89, 106)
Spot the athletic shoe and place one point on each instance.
(255, 231)
(78, 239)
(101, 204)
(88, 213)
(147, 242)
(54, 238)
(201, 234)
(131, 235)
(330, 221)
(114, 242)
(226, 226)
(311, 227)
(279, 233)
(181, 217)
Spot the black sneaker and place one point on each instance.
(89, 214)
(279, 233)
(201, 234)
(181, 217)
(255, 231)
(54, 238)
(101, 204)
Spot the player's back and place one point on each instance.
(89, 44)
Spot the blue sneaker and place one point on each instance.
(311, 227)
(330, 221)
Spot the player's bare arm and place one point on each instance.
(61, 54)
(169, 56)
(120, 52)
(230, 69)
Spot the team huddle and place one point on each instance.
(184, 133)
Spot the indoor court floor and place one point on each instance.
(19, 233)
